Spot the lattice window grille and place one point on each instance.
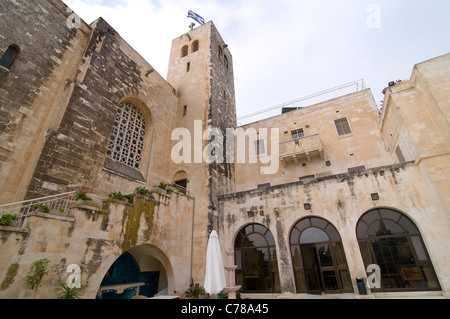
(342, 126)
(127, 137)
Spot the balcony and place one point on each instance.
(298, 150)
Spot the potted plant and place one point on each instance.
(121, 197)
(69, 293)
(194, 292)
(81, 195)
(41, 208)
(7, 220)
(144, 191)
(223, 295)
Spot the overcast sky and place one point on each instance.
(287, 49)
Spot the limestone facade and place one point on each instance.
(80, 108)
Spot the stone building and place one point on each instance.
(307, 202)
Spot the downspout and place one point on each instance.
(192, 240)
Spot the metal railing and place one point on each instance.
(60, 202)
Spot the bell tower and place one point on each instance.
(201, 72)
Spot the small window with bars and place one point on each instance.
(342, 126)
(296, 134)
(127, 137)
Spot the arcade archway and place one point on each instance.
(320, 265)
(142, 271)
(391, 240)
(256, 258)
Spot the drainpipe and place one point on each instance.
(192, 239)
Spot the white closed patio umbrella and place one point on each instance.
(215, 273)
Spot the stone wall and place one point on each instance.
(340, 199)
(364, 146)
(93, 236)
(415, 122)
(34, 92)
(75, 153)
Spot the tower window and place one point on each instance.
(127, 137)
(9, 56)
(184, 51)
(226, 61)
(342, 126)
(188, 66)
(195, 46)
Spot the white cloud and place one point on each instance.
(286, 49)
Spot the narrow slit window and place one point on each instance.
(8, 58)
(260, 148)
(195, 46)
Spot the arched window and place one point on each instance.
(184, 51)
(392, 241)
(127, 137)
(10, 55)
(318, 257)
(180, 179)
(195, 46)
(255, 256)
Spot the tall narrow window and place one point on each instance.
(195, 46)
(342, 126)
(9, 56)
(220, 53)
(260, 148)
(127, 137)
(184, 51)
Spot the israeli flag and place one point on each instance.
(196, 17)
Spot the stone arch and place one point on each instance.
(129, 143)
(256, 257)
(147, 259)
(180, 178)
(392, 240)
(318, 257)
